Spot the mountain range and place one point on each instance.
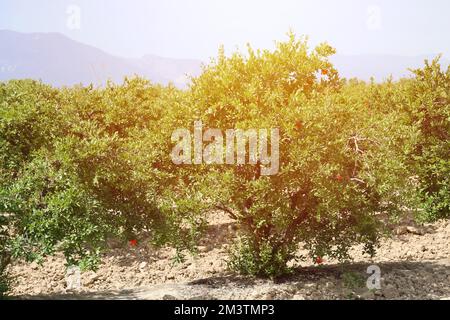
(61, 61)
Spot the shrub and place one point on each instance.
(429, 109)
(341, 163)
(40, 194)
(422, 104)
(25, 109)
(85, 164)
(29, 114)
(121, 149)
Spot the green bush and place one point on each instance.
(341, 164)
(83, 164)
(422, 104)
(429, 107)
(29, 120)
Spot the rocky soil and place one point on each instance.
(414, 264)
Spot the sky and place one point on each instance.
(196, 28)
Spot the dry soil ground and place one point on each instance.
(414, 264)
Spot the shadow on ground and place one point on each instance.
(399, 280)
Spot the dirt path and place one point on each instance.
(415, 264)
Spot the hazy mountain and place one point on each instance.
(380, 67)
(58, 60)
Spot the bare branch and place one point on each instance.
(227, 210)
(358, 180)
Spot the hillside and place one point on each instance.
(58, 60)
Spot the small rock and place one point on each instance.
(142, 265)
(92, 279)
(170, 277)
(414, 230)
(298, 297)
(202, 249)
(378, 293)
(401, 230)
(169, 297)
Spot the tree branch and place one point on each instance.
(227, 210)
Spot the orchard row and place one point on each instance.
(81, 165)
